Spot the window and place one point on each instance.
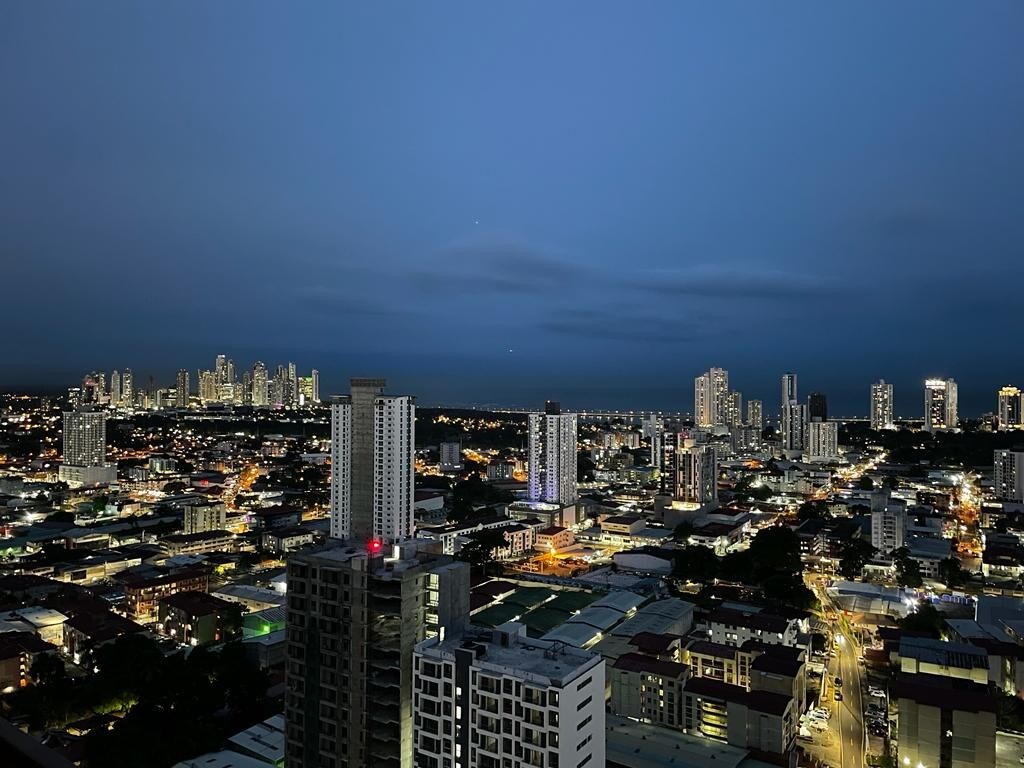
(585, 720)
(584, 703)
(584, 684)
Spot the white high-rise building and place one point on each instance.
(1009, 408)
(823, 441)
(1008, 475)
(881, 406)
(711, 399)
(794, 426)
(373, 442)
(652, 430)
(85, 449)
(552, 456)
(888, 527)
(940, 410)
(488, 698)
(755, 415)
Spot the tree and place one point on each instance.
(908, 571)
(951, 573)
(866, 483)
(695, 563)
(48, 670)
(926, 620)
(480, 546)
(856, 553)
(891, 482)
(812, 510)
(682, 531)
(585, 467)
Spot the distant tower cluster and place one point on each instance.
(940, 406)
(372, 463)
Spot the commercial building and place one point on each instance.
(354, 618)
(881, 405)
(552, 456)
(485, 699)
(940, 404)
(372, 446)
(85, 450)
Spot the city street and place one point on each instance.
(849, 718)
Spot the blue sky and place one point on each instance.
(493, 202)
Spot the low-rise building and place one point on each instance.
(554, 538)
(499, 696)
(197, 618)
(197, 543)
(142, 594)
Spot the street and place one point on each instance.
(850, 711)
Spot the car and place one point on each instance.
(878, 694)
(838, 681)
(839, 696)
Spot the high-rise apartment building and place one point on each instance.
(888, 527)
(711, 398)
(354, 619)
(85, 449)
(181, 390)
(1008, 475)
(794, 427)
(755, 414)
(552, 456)
(823, 441)
(372, 458)
(209, 391)
(450, 456)
(1009, 408)
(490, 698)
(652, 429)
(817, 406)
(734, 410)
(689, 470)
(940, 408)
(881, 406)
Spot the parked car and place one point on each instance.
(839, 681)
(839, 695)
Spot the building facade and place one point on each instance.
(552, 456)
(372, 460)
(881, 405)
(940, 405)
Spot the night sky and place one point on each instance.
(500, 202)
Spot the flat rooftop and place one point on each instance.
(637, 745)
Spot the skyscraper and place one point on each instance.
(792, 416)
(552, 456)
(259, 384)
(372, 458)
(734, 410)
(881, 406)
(711, 398)
(1009, 408)
(127, 389)
(181, 390)
(314, 375)
(817, 406)
(689, 469)
(940, 410)
(755, 417)
(85, 449)
(787, 398)
(115, 389)
(208, 390)
(1008, 475)
(354, 619)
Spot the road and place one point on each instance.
(850, 711)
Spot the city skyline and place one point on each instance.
(417, 220)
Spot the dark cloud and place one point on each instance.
(618, 327)
(735, 281)
(494, 265)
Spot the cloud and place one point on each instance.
(734, 281)
(501, 266)
(632, 327)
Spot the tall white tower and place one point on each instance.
(552, 455)
(881, 406)
(711, 399)
(373, 441)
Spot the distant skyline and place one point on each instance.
(592, 202)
